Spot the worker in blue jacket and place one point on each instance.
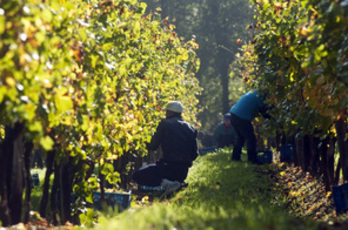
(242, 114)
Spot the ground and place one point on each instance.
(302, 194)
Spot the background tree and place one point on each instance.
(216, 26)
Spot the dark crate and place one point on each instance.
(203, 151)
(340, 196)
(119, 200)
(286, 152)
(265, 156)
(36, 180)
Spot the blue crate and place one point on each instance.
(120, 200)
(203, 151)
(36, 180)
(286, 152)
(145, 188)
(265, 156)
(340, 196)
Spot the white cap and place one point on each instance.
(174, 106)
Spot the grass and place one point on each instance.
(221, 195)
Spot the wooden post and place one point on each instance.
(341, 130)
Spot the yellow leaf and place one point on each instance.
(292, 77)
(328, 194)
(10, 81)
(185, 56)
(47, 84)
(293, 122)
(145, 199)
(294, 193)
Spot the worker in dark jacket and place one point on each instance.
(242, 114)
(177, 138)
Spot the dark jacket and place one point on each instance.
(178, 140)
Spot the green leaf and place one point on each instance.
(35, 127)
(89, 199)
(47, 143)
(3, 91)
(63, 103)
(113, 178)
(107, 168)
(93, 182)
(2, 23)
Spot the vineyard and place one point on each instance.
(298, 57)
(85, 81)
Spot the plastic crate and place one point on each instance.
(120, 200)
(36, 180)
(286, 152)
(340, 196)
(203, 151)
(265, 156)
(145, 188)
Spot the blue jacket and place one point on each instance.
(248, 106)
(178, 140)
